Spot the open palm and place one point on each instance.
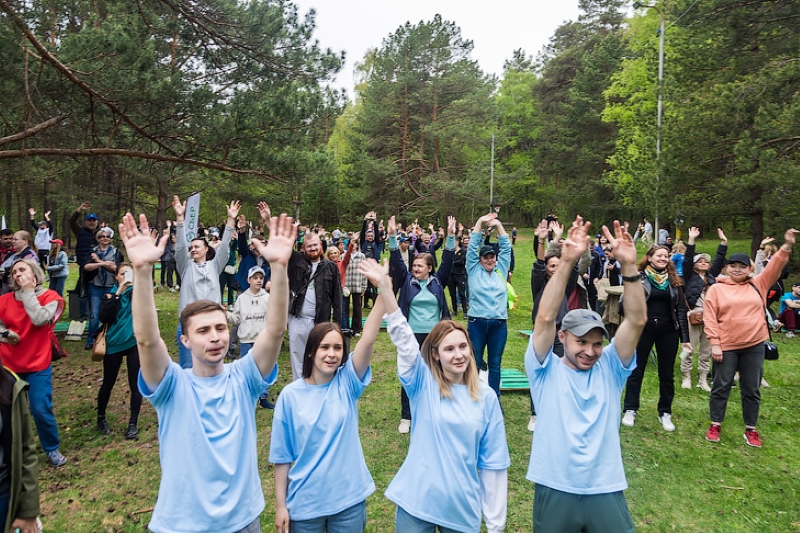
(282, 235)
(139, 245)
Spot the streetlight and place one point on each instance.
(637, 5)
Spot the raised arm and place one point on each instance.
(541, 233)
(378, 274)
(277, 251)
(634, 303)
(224, 251)
(544, 331)
(143, 253)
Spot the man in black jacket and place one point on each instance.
(83, 251)
(315, 296)
(371, 250)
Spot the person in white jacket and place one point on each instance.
(250, 314)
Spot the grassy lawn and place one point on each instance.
(677, 481)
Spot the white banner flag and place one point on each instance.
(192, 216)
(4, 222)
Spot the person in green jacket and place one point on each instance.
(120, 342)
(19, 468)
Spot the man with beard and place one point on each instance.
(315, 296)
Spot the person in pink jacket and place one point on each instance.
(736, 326)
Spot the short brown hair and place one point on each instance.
(198, 308)
(431, 345)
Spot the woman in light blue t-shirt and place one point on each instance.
(456, 467)
(321, 478)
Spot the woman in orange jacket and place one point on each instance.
(736, 326)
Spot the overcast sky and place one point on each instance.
(496, 28)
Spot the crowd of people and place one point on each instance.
(284, 277)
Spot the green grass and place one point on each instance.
(678, 481)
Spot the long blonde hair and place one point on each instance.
(431, 345)
(55, 249)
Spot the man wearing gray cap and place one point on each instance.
(576, 459)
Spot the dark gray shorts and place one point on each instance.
(562, 512)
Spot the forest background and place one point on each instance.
(127, 103)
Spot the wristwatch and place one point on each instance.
(5, 334)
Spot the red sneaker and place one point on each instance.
(751, 438)
(712, 435)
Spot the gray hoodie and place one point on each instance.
(200, 281)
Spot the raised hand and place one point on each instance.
(233, 210)
(391, 227)
(264, 211)
(577, 240)
(790, 236)
(621, 243)
(541, 230)
(376, 273)
(766, 240)
(721, 234)
(180, 208)
(32, 212)
(557, 229)
(371, 215)
(47, 215)
(694, 233)
(141, 249)
(84, 206)
(451, 225)
(282, 236)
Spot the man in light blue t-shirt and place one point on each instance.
(206, 414)
(576, 459)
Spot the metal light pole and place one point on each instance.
(491, 179)
(637, 5)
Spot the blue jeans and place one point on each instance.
(4, 501)
(95, 297)
(489, 334)
(351, 520)
(57, 284)
(408, 524)
(40, 397)
(184, 353)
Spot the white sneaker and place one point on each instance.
(666, 421)
(629, 419)
(532, 423)
(764, 383)
(404, 427)
(686, 383)
(789, 334)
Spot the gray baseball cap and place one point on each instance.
(581, 321)
(255, 270)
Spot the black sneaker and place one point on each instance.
(102, 426)
(89, 344)
(265, 403)
(131, 432)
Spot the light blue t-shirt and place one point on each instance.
(488, 296)
(576, 446)
(425, 312)
(316, 428)
(207, 436)
(450, 440)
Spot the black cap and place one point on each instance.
(739, 257)
(486, 250)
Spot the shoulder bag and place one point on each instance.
(770, 348)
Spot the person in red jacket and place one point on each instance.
(25, 322)
(736, 326)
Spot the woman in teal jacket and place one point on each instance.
(120, 342)
(19, 470)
